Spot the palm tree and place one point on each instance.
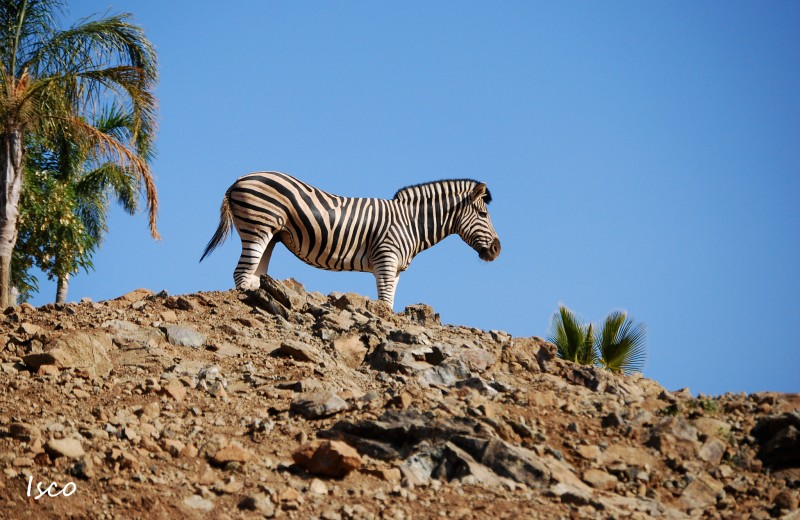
(621, 344)
(575, 341)
(50, 79)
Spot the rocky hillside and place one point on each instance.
(287, 404)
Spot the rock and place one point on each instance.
(135, 295)
(327, 458)
(261, 299)
(350, 349)
(29, 329)
(47, 370)
(612, 420)
(711, 427)
(675, 436)
(24, 432)
(198, 503)
(259, 503)
(168, 316)
(402, 401)
(712, 451)
(82, 350)
(69, 448)
(283, 293)
(628, 455)
(421, 314)
(229, 486)
(779, 439)
(599, 479)
(174, 389)
(447, 374)
(702, 492)
(571, 494)
(84, 469)
(786, 500)
(181, 336)
(226, 349)
(315, 405)
(233, 452)
(318, 487)
(588, 452)
(392, 357)
(299, 351)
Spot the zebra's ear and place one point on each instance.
(479, 192)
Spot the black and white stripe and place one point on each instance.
(350, 234)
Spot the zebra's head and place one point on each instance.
(475, 227)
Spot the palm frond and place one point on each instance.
(622, 344)
(572, 339)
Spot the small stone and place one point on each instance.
(29, 328)
(612, 420)
(391, 475)
(350, 349)
(135, 295)
(260, 503)
(327, 458)
(24, 432)
(84, 469)
(299, 351)
(315, 405)
(173, 446)
(318, 487)
(229, 486)
(786, 500)
(199, 503)
(700, 493)
(168, 316)
(233, 452)
(402, 401)
(69, 448)
(712, 451)
(599, 479)
(22, 462)
(174, 389)
(81, 394)
(47, 370)
(184, 336)
(588, 451)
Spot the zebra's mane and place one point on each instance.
(487, 198)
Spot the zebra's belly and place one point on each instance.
(329, 259)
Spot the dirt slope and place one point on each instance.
(287, 404)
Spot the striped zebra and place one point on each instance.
(350, 234)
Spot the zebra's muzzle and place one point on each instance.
(491, 252)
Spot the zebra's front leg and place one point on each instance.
(387, 277)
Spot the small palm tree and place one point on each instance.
(619, 346)
(65, 200)
(50, 79)
(574, 340)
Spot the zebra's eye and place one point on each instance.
(482, 214)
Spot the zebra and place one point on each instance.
(347, 233)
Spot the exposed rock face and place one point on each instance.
(284, 403)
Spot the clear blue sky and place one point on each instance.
(642, 156)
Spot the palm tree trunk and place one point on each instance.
(10, 187)
(61, 288)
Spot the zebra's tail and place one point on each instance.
(225, 223)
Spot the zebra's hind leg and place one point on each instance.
(254, 260)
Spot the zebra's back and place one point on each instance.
(324, 230)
